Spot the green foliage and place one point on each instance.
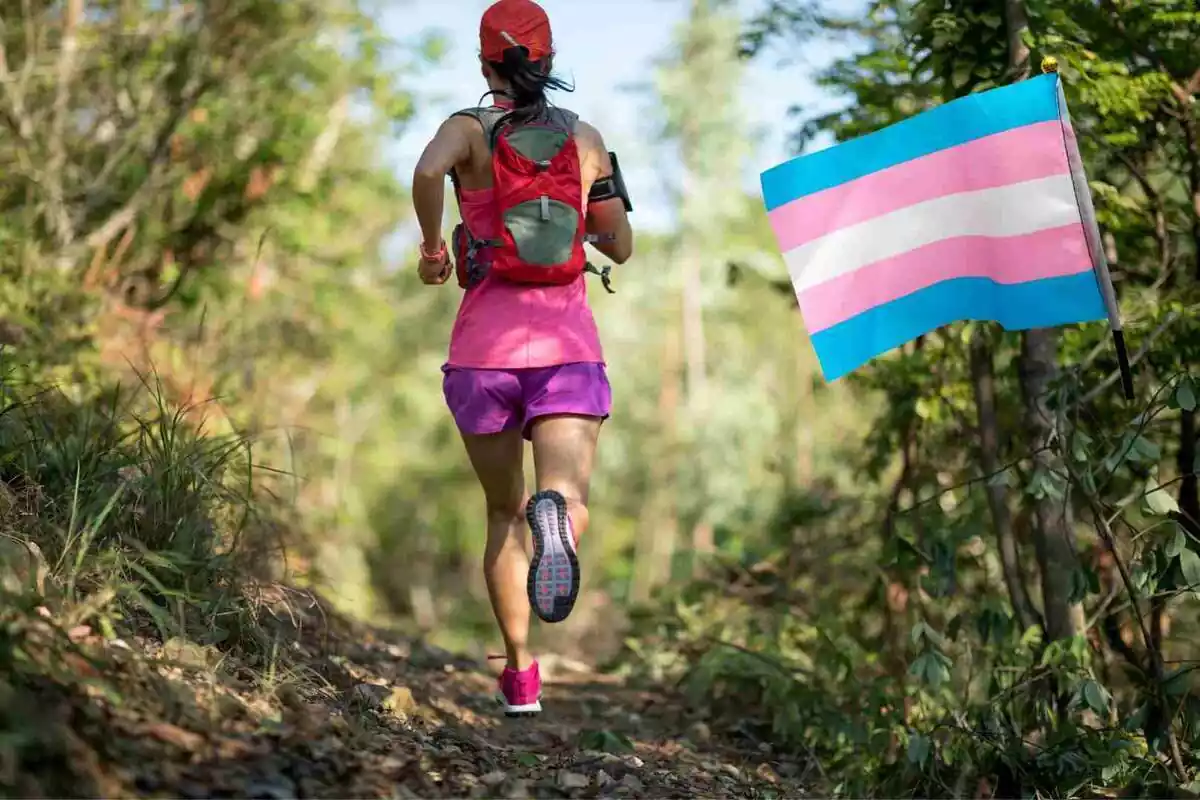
(605, 741)
(881, 638)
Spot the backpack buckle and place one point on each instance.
(475, 268)
(605, 274)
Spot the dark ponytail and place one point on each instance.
(528, 82)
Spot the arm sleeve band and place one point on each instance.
(611, 187)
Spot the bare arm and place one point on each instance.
(606, 216)
(451, 145)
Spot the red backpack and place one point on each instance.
(538, 202)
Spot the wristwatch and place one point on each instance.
(440, 255)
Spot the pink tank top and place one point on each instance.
(504, 325)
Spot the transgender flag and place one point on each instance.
(977, 209)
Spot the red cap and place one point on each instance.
(514, 23)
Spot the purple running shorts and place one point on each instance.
(493, 400)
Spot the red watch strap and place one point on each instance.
(441, 251)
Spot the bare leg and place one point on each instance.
(564, 449)
(497, 461)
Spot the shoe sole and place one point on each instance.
(518, 712)
(553, 584)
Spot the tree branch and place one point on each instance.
(158, 159)
(1104, 385)
(15, 115)
(56, 161)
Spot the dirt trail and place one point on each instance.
(341, 711)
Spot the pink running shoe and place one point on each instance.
(553, 583)
(520, 692)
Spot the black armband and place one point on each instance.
(610, 187)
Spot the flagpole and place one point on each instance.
(1100, 263)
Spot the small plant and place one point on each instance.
(605, 741)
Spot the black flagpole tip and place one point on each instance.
(1123, 364)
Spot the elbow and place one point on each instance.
(623, 250)
(425, 175)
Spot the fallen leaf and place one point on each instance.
(400, 701)
(391, 765)
(632, 783)
(189, 654)
(572, 780)
(175, 735)
(764, 772)
(493, 779)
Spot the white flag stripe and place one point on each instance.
(1014, 210)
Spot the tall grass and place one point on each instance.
(121, 513)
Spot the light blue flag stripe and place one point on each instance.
(1044, 303)
(957, 122)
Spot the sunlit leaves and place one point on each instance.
(1160, 502)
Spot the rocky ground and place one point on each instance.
(335, 710)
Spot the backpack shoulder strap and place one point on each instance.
(487, 118)
(563, 118)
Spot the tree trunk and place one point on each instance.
(696, 361)
(983, 380)
(1051, 515)
(1038, 367)
(1017, 17)
(655, 548)
(1189, 487)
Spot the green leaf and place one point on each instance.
(605, 741)
(1185, 395)
(936, 672)
(528, 760)
(1161, 503)
(1079, 447)
(1175, 682)
(918, 749)
(1177, 542)
(1095, 697)
(917, 668)
(1083, 582)
(1003, 478)
(1145, 451)
(1190, 789)
(1189, 564)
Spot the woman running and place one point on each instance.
(525, 359)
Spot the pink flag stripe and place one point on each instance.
(1021, 154)
(1050, 253)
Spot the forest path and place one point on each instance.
(332, 709)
